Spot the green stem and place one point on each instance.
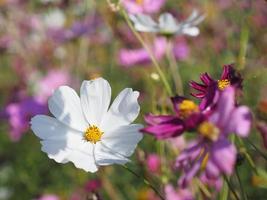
(230, 187)
(174, 68)
(244, 195)
(151, 55)
(257, 149)
(145, 181)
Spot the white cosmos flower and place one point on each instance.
(85, 130)
(167, 24)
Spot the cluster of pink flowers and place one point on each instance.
(211, 153)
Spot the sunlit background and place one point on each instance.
(48, 43)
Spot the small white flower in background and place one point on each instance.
(54, 19)
(167, 24)
(85, 130)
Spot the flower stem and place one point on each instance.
(257, 149)
(174, 68)
(145, 181)
(230, 187)
(151, 55)
(244, 195)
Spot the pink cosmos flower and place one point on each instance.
(211, 152)
(49, 197)
(153, 163)
(131, 57)
(50, 82)
(142, 6)
(186, 118)
(181, 194)
(19, 113)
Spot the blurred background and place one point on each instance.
(48, 43)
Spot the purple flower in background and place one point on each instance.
(216, 183)
(50, 82)
(186, 118)
(181, 194)
(211, 152)
(153, 163)
(208, 89)
(19, 114)
(142, 6)
(49, 197)
(131, 57)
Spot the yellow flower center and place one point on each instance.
(187, 107)
(224, 83)
(140, 2)
(209, 130)
(93, 134)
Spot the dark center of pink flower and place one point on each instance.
(187, 107)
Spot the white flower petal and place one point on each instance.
(62, 143)
(84, 160)
(124, 139)
(49, 128)
(167, 23)
(123, 110)
(95, 99)
(192, 31)
(144, 23)
(65, 105)
(106, 156)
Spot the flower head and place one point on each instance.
(167, 25)
(211, 152)
(186, 118)
(208, 89)
(85, 130)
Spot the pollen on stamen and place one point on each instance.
(93, 134)
(187, 107)
(209, 131)
(140, 2)
(224, 83)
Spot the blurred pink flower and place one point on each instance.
(131, 57)
(143, 6)
(181, 194)
(49, 197)
(50, 82)
(153, 163)
(216, 183)
(19, 114)
(178, 143)
(93, 185)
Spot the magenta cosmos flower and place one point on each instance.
(207, 91)
(143, 6)
(186, 118)
(211, 152)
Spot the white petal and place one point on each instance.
(192, 31)
(84, 158)
(49, 128)
(144, 23)
(106, 156)
(167, 23)
(62, 143)
(65, 105)
(123, 110)
(124, 139)
(95, 99)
